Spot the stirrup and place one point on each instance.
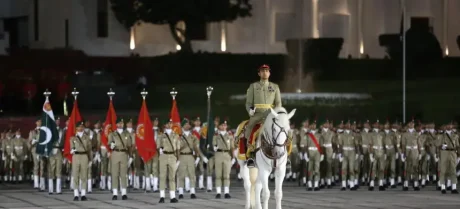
(250, 163)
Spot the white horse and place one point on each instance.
(271, 153)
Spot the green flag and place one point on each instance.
(48, 131)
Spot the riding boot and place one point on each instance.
(250, 162)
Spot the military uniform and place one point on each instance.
(39, 162)
(135, 170)
(391, 153)
(424, 157)
(223, 143)
(303, 143)
(411, 149)
(120, 143)
(365, 158)
(377, 157)
(433, 151)
(169, 144)
(8, 153)
(198, 132)
(294, 156)
(327, 145)
(260, 97)
(190, 156)
(399, 164)
(347, 145)
(151, 167)
(81, 159)
(104, 161)
(314, 156)
(449, 158)
(55, 164)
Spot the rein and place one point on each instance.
(268, 144)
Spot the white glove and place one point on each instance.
(108, 154)
(321, 158)
(12, 156)
(3, 157)
(112, 146)
(362, 157)
(419, 157)
(428, 157)
(371, 157)
(73, 151)
(130, 161)
(235, 153)
(305, 156)
(333, 155)
(301, 156)
(90, 163)
(54, 151)
(197, 161)
(397, 156)
(25, 157)
(233, 161)
(177, 164)
(444, 146)
(356, 156)
(34, 141)
(205, 160)
(161, 151)
(91, 135)
(64, 161)
(38, 157)
(340, 158)
(403, 159)
(215, 148)
(252, 111)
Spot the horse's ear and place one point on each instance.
(291, 113)
(273, 112)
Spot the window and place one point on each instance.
(284, 26)
(102, 19)
(196, 30)
(36, 21)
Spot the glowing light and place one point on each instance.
(361, 48)
(132, 42)
(178, 47)
(447, 51)
(223, 38)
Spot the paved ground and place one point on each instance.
(294, 197)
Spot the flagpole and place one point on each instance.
(111, 93)
(75, 93)
(404, 60)
(47, 95)
(209, 90)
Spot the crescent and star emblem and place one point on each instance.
(140, 131)
(107, 129)
(48, 135)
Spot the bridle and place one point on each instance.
(270, 143)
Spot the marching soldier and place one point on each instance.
(336, 162)
(347, 146)
(410, 146)
(314, 156)
(97, 159)
(328, 137)
(121, 159)
(198, 132)
(81, 160)
(260, 97)
(365, 158)
(190, 156)
(94, 143)
(169, 144)
(7, 155)
(424, 157)
(2, 170)
(39, 162)
(211, 160)
(223, 143)
(432, 139)
(104, 158)
(395, 129)
(151, 167)
(377, 157)
(357, 134)
(390, 141)
(302, 144)
(450, 147)
(20, 155)
(135, 168)
(294, 156)
(55, 162)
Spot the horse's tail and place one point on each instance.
(253, 172)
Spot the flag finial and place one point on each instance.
(144, 93)
(111, 93)
(47, 93)
(173, 93)
(75, 93)
(209, 90)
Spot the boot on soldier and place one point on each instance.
(250, 161)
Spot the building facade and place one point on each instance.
(90, 25)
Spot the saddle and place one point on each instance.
(242, 142)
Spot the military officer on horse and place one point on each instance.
(260, 97)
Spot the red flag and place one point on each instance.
(175, 118)
(74, 118)
(145, 139)
(109, 125)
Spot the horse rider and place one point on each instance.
(260, 97)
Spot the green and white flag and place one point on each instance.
(48, 131)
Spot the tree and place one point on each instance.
(172, 12)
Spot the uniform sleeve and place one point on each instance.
(214, 140)
(72, 142)
(110, 138)
(178, 142)
(89, 149)
(278, 97)
(160, 141)
(250, 97)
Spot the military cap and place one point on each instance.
(322, 122)
(197, 118)
(313, 121)
(169, 120)
(366, 121)
(346, 122)
(58, 118)
(223, 122)
(184, 121)
(263, 67)
(39, 118)
(306, 121)
(155, 118)
(130, 120)
(98, 121)
(18, 129)
(120, 120)
(80, 123)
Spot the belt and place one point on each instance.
(56, 147)
(120, 150)
(364, 146)
(327, 145)
(389, 146)
(221, 150)
(168, 153)
(185, 153)
(449, 149)
(80, 153)
(263, 106)
(349, 148)
(377, 147)
(312, 148)
(411, 147)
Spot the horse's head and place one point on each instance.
(276, 129)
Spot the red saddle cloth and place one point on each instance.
(243, 142)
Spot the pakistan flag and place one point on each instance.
(48, 132)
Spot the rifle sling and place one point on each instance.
(188, 145)
(174, 151)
